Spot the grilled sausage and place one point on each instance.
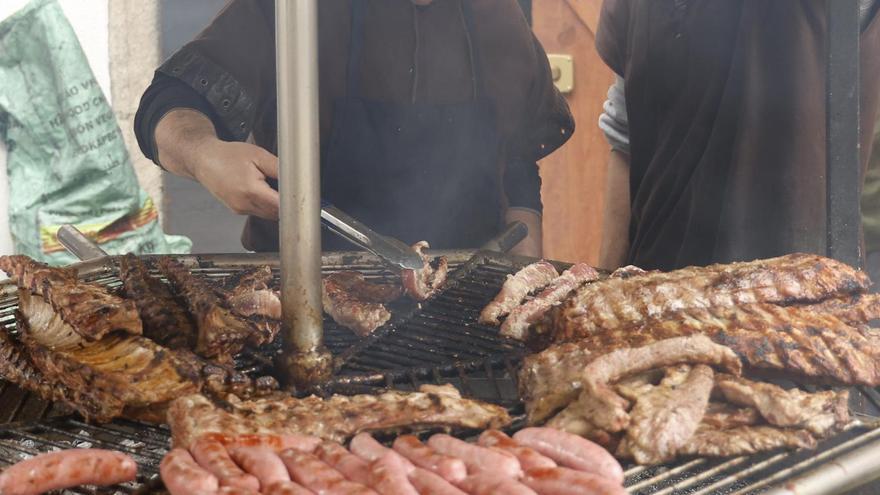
(318, 476)
(493, 484)
(234, 490)
(428, 483)
(65, 469)
(562, 481)
(287, 488)
(182, 476)
(571, 451)
(261, 462)
(350, 465)
(277, 443)
(477, 459)
(213, 456)
(388, 476)
(367, 448)
(528, 458)
(449, 468)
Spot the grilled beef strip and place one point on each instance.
(335, 418)
(519, 320)
(819, 413)
(424, 283)
(796, 340)
(723, 416)
(221, 334)
(622, 303)
(603, 407)
(530, 279)
(745, 440)
(353, 304)
(253, 299)
(664, 419)
(90, 309)
(165, 320)
(857, 309)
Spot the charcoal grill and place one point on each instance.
(438, 341)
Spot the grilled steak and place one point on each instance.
(90, 310)
(522, 317)
(604, 408)
(664, 419)
(221, 334)
(336, 418)
(795, 339)
(165, 321)
(515, 289)
(620, 303)
(550, 380)
(119, 369)
(745, 440)
(252, 295)
(857, 309)
(424, 283)
(819, 413)
(356, 304)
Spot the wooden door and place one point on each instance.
(574, 176)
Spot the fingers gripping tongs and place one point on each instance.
(389, 249)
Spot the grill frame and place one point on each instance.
(490, 376)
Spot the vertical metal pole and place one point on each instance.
(842, 128)
(305, 360)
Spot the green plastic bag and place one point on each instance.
(67, 161)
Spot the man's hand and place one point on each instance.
(235, 173)
(532, 244)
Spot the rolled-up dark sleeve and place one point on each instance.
(549, 124)
(227, 72)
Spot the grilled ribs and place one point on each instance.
(515, 289)
(819, 413)
(335, 419)
(745, 440)
(90, 310)
(164, 320)
(796, 340)
(221, 334)
(119, 370)
(665, 418)
(622, 303)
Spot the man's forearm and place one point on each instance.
(179, 136)
(615, 228)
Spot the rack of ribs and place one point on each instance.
(221, 333)
(336, 418)
(621, 303)
(164, 320)
(90, 309)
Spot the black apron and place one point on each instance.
(414, 171)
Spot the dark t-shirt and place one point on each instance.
(228, 72)
(726, 108)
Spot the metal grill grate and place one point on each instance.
(436, 342)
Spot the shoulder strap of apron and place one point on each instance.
(356, 46)
(467, 16)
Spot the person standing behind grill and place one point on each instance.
(433, 115)
(717, 124)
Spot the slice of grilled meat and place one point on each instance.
(797, 340)
(664, 419)
(621, 303)
(530, 279)
(253, 298)
(336, 418)
(424, 283)
(221, 334)
(165, 320)
(745, 440)
(356, 304)
(723, 416)
(90, 309)
(819, 413)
